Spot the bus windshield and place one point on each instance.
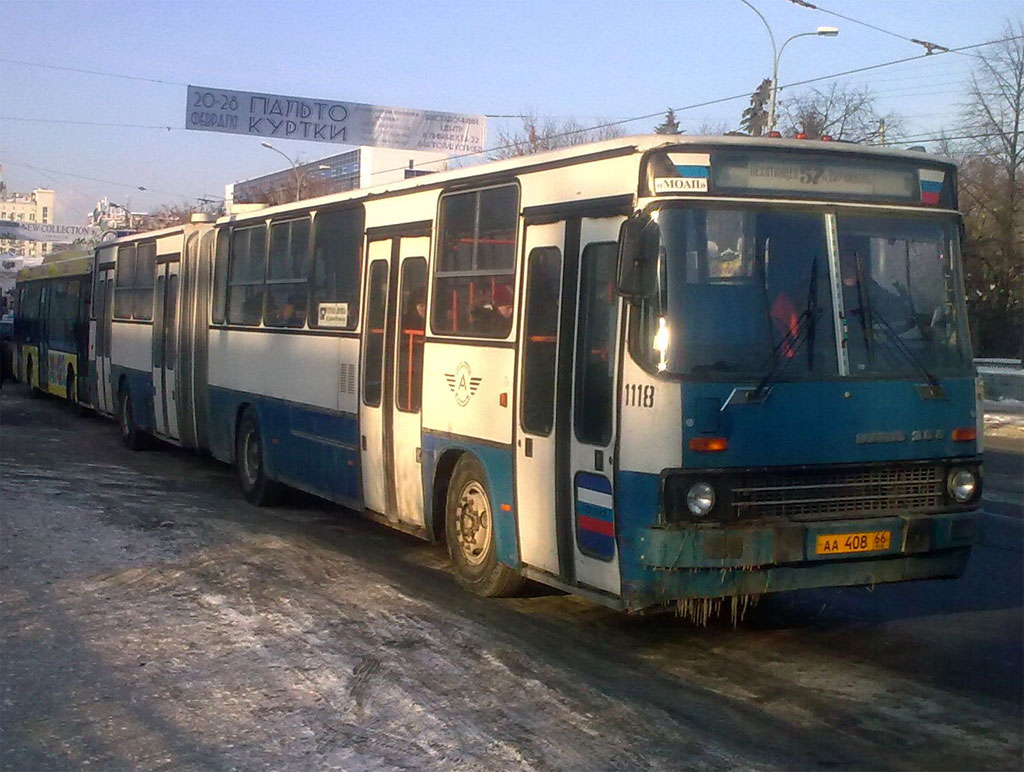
(900, 286)
(745, 292)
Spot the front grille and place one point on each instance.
(863, 491)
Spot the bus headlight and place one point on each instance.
(700, 499)
(962, 485)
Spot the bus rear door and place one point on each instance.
(103, 303)
(165, 347)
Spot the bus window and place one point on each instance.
(540, 346)
(413, 315)
(337, 257)
(220, 276)
(245, 276)
(71, 314)
(287, 274)
(595, 369)
(476, 263)
(56, 314)
(376, 300)
(145, 275)
(124, 281)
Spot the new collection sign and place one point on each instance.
(45, 231)
(326, 120)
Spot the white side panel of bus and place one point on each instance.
(131, 345)
(463, 387)
(535, 452)
(590, 571)
(407, 426)
(303, 369)
(649, 439)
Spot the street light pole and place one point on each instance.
(295, 168)
(829, 32)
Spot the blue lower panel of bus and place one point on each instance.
(498, 465)
(314, 450)
(660, 563)
(140, 384)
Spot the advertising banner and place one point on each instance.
(326, 120)
(45, 231)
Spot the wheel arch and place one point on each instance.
(240, 411)
(439, 490)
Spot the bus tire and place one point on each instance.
(469, 532)
(132, 436)
(33, 391)
(71, 393)
(250, 462)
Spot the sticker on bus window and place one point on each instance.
(332, 315)
(680, 184)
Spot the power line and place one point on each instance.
(929, 47)
(91, 72)
(609, 124)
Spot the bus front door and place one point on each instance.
(567, 407)
(165, 350)
(389, 413)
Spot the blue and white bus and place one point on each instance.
(646, 370)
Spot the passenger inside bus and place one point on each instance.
(493, 316)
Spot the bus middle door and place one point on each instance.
(165, 348)
(389, 415)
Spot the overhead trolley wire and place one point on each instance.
(608, 124)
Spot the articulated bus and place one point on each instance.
(51, 328)
(647, 371)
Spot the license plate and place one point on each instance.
(843, 543)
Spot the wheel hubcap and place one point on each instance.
(251, 458)
(473, 523)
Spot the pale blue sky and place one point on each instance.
(588, 59)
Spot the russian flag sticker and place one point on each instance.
(595, 519)
(931, 185)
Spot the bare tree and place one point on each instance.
(991, 161)
(841, 112)
(539, 134)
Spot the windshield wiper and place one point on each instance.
(934, 388)
(791, 344)
(868, 316)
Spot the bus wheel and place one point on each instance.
(30, 379)
(469, 531)
(257, 488)
(131, 435)
(71, 393)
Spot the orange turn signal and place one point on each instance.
(503, 399)
(965, 435)
(709, 444)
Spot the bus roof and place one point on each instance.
(640, 143)
(70, 266)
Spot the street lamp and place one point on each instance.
(300, 175)
(825, 32)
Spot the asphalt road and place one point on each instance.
(151, 619)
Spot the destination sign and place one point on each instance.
(817, 175)
(327, 120)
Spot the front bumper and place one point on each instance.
(700, 561)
